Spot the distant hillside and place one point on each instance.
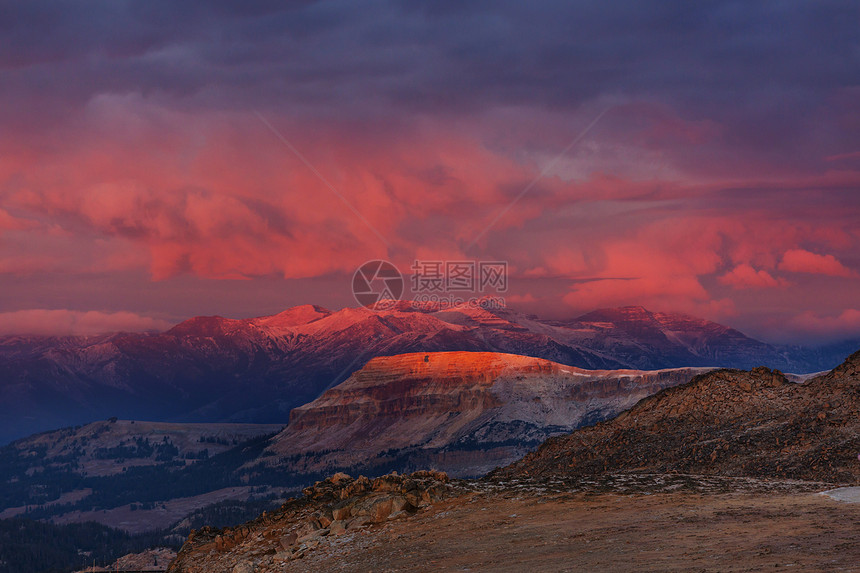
(726, 422)
(28, 546)
(137, 476)
(112, 446)
(213, 369)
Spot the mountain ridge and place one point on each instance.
(727, 422)
(208, 369)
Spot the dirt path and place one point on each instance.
(607, 532)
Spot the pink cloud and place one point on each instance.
(745, 276)
(677, 293)
(26, 265)
(8, 222)
(234, 202)
(68, 322)
(667, 262)
(841, 156)
(803, 261)
(520, 298)
(653, 290)
(216, 195)
(846, 323)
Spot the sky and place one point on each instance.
(164, 159)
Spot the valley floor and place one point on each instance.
(747, 526)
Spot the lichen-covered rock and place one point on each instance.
(330, 508)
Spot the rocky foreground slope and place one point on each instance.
(617, 524)
(726, 422)
(462, 412)
(338, 506)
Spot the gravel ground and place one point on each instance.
(625, 523)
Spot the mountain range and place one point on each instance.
(731, 454)
(215, 369)
(464, 412)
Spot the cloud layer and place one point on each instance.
(67, 322)
(722, 178)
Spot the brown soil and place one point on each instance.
(553, 531)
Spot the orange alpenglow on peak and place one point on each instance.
(429, 402)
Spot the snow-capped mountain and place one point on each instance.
(256, 370)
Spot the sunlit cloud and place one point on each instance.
(68, 322)
(745, 276)
(802, 261)
(141, 152)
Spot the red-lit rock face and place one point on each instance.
(416, 385)
(491, 405)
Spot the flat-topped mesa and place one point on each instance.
(453, 368)
(418, 383)
(450, 368)
(447, 383)
(466, 412)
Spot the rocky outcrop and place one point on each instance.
(337, 506)
(465, 412)
(727, 422)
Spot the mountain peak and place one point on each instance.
(619, 314)
(852, 362)
(848, 371)
(201, 326)
(294, 316)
